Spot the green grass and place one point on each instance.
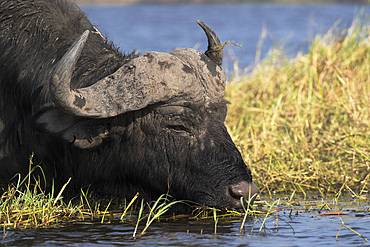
(304, 124)
(25, 205)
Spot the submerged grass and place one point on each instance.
(304, 124)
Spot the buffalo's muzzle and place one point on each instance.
(247, 190)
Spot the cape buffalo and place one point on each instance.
(122, 123)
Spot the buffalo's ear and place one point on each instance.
(80, 132)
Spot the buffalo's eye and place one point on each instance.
(178, 129)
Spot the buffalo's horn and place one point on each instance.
(95, 101)
(215, 48)
(145, 80)
(60, 88)
(100, 100)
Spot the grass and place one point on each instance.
(24, 205)
(302, 125)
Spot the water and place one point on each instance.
(298, 224)
(164, 27)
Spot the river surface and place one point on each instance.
(164, 27)
(303, 222)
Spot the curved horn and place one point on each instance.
(95, 101)
(145, 80)
(60, 84)
(215, 48)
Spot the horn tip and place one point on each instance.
(202, 24)
(214, 50)
(85, 34)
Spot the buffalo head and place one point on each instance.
(155, 125)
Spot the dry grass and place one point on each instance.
(304, 124)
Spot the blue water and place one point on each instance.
(164, 27)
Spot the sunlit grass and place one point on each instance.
(303, 124)
(25, 204)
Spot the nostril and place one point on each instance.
(247, 190)
(235, 192)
